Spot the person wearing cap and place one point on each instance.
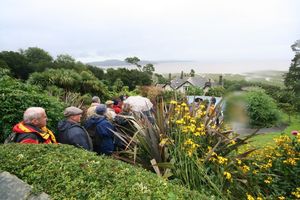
(70, 130)
(110, 113)
(91, 110)
(103, 131)
(33, 128)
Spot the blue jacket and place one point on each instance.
(104, 130)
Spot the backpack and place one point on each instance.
(11, 138)
(96, 140)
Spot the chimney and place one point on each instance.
(221, 80)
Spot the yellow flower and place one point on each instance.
(180, 121)
(183, 105)
(245, 168)
(290, 161)
(173, 102)
(281, 198)
(239, 161)
(249, 197)
(232, 142)
(259, 198)
(227, 175)
(222, 160)
(268, 180)
(297, 193)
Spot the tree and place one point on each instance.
(217, 91)
(292, 78)
(134, 61)
(118, 85)
(160, 79)
(149, 68)
(17, 63)
(193, 90)
(38, 59)
(98, 72)
(64, 61)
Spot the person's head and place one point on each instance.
(35, 116)
(101, 109)
(198, 100)
(213, 100)
(116, 102)
(109, 103)
(96, 99)
(73, 114)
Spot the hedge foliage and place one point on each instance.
(65, 172)
(16, 97)
(262, 109)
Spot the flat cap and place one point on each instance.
(109, 102)
(70, 111)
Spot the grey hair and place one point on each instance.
(96, 99)
(33, 113)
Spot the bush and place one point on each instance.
(16, 97)
(65, 172)
(262, 109)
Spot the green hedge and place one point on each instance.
(65, 172)
(16, 97)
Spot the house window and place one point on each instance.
(185, 88)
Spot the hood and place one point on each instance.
(24, 128)
(64, 125)
(93, 120)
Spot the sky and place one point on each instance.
(217, 35)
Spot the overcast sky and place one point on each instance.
(208, 31)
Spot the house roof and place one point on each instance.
(195, 81)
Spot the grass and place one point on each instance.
(267, 139)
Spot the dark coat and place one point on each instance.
(74, 134)
(104, 130)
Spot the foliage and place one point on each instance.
(160, 79)
(16, 97)
(276, 169)
(38, 59)
(17, 63)
(65, 172)
(70, 81)
(98, 72)
(194, 90)
(217, 91)
(292, 78)
(261, 109)
(193, 149)
(130, 78)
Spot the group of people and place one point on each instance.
(97, 133)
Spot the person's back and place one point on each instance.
(104, 129)
(33, 128)
(71, 132)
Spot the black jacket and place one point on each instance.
(74, 134)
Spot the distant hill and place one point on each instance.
(116, 62)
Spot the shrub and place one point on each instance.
(262, 109)
(65, 172)
(16, 97)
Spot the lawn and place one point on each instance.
(267, 139)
